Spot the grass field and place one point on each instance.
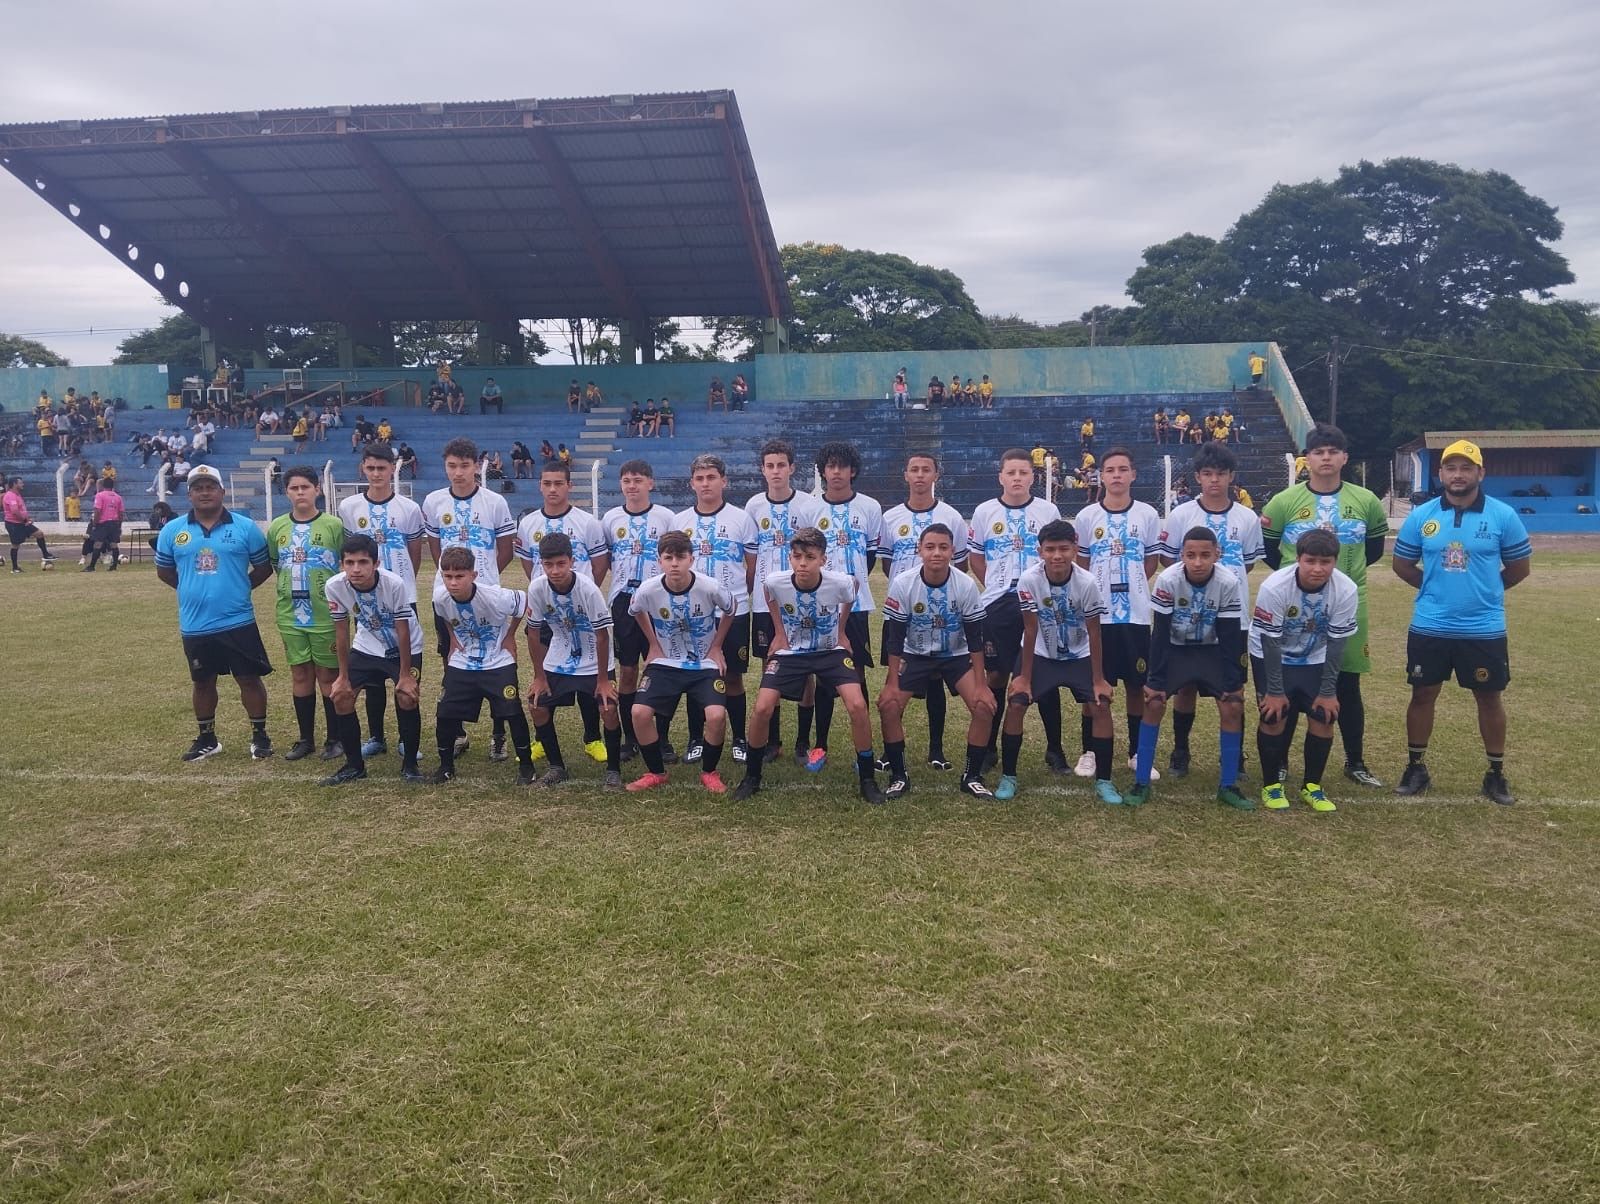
(224, 983)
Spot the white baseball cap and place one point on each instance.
(203, 472)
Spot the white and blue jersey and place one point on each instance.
(810, 616)
(476, 522)
(574, 618)
(395, 526)
(1007, 537)
(1114, 544)
(722, 540)
(1063, 610)
(852, 528)
(376, 611)
(936, 616)
(1461, 553)
(1196, 609)
(776, 523)
(903, 528)
(481, 624)
(582, 528)
(685, 623)
(633, 539)
(1239, 538)
(1304, 620)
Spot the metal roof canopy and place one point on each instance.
(621, 207)
(1495, 440)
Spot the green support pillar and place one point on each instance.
(774, 337)
(347, 348)
(208, 351)
(647, 349)
(628, 353)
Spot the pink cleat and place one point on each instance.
(647, 781)
(713, 782)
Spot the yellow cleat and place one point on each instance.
(596, 750)
(1272, 797)
(1311, 795)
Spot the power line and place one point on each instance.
(1472, 359)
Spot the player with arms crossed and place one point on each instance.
(1460, 552)
(809, 609)
(903, 526)
(934, 618)
(1304, 614)
(689, 616)
(387, 648)
(1061, 610)
(1198, 640)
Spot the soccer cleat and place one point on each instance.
(17, 572)
(936, 761)
(1414, 780)
(554, 776)
(746, 790)
(1133, 764)
(669, 755)
(1056, 761)
(816, 760)
(713, 782)
(497, 748)
(612, 780)
(1229, 796)
(1085, 767)
(1178, 763)
(741, 751)
(692, 754)
(527, 775)
(646, 781)
(1311, 795)
(1360, 773)
(975, 787)
(897, 788)
(870, 792)
(260, 747)
(627, 753)
(412, 776)
(1496, 790)
(1107, 793)
(774, 751)
(203, 747)
(332, 750)
(374, 747)
(1006, 788)
(1273, 797)
(801, 755)
(441, 777)
(1138, 796)
(463, 742)
(300, 750)
(345, 773)
(595, 748)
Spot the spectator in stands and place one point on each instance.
(438, 396)
(592, 397)
(44, 402)
(1040, 455)
(48, 440)
(546, 451)
(300, 433)
(1302, 471)
(635, 420)
(319, 424)
(491, 396)
(1086, 435)
(900, 389)
(667, 419)
(276, 471)
(986, 392)
(456, 397)
(180, 469)
(405, 459)
(1229, 423)
(952, 390)
(716, 395)
(1198, 431)
(267, 423)
(521, 460)
(650, 419)
(739, 391)
(574, 396)
(385, 432)
(1242, 496)
(1161, 424)
(1089, 474)
(496, 469)
(1180, 423)
(362, 433)
(203, 436)
(563, 454)
(160, 515)
(970, 392)
(1258, 365)
(935, 391)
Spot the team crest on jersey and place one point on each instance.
(720, 686)
(548, 609)
(1430, 528)
(622, 532)
(1455, 557)
(665, 613)
(362, 521)
(509, 692)
(1182, 603)
(823, 524)
(1293, 612)
(788, 608)
(1303, 513)
(905, 529)
(850, 664)
(181, 538)
(766, 524)
(998, 528)
(918, 608)
(1099, 532)
(455, 623)
(283, 540)
(447, 519)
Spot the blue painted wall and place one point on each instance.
(140, 385)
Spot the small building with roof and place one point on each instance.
(1549, 477)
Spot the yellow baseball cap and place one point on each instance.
(1464, 448)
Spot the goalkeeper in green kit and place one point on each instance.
(1355, 515)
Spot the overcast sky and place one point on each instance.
(1033, 149)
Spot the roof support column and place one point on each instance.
(647, 348)
(628, 351)
(774, 337)
(208, 351)
(347, 348)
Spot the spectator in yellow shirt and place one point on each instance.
(1086, 436)
(1258, 366)
(986, 392)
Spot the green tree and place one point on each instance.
(18, 352)
(1013, 330)
(848, 300)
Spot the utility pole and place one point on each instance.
(1093, 323)
(1333, 383)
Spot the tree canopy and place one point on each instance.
(18, 352)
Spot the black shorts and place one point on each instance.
(565, 688)
(466, 690)
(21, 532)
(1075, 675)
(375, 672)
(1478, 664)
(236, 652)
(1002, 633)
(736, 646)
(660, 687)
(919, 673)
(627, 636)
(1124, 652)
(857, 628)
(1203, 666)
(760, 635)
(107, 533)
(1301, 684)
(788, 673)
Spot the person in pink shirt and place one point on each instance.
(19, 526)
(106, 526)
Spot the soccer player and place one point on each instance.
(19, 526)
(387, 647)
(394, 524)
(1239, 540)
(851, 522)
(1003, 541)
(591, 556)
(481, 660)
(934, 617)
(809, 608)
(1356, 517)
(777, 512)
(724, 543)
(213, 559)
(1460, 552)
(1119, 541)
(690, 615)
(571, 654)
(465, 515)
(105, 525)
(633, 530)
(1198, 640)
(305, 548)
(1061, 647)
(903, 526)
(1304, 613)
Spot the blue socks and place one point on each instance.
(1149, 733)
(1232, 746)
